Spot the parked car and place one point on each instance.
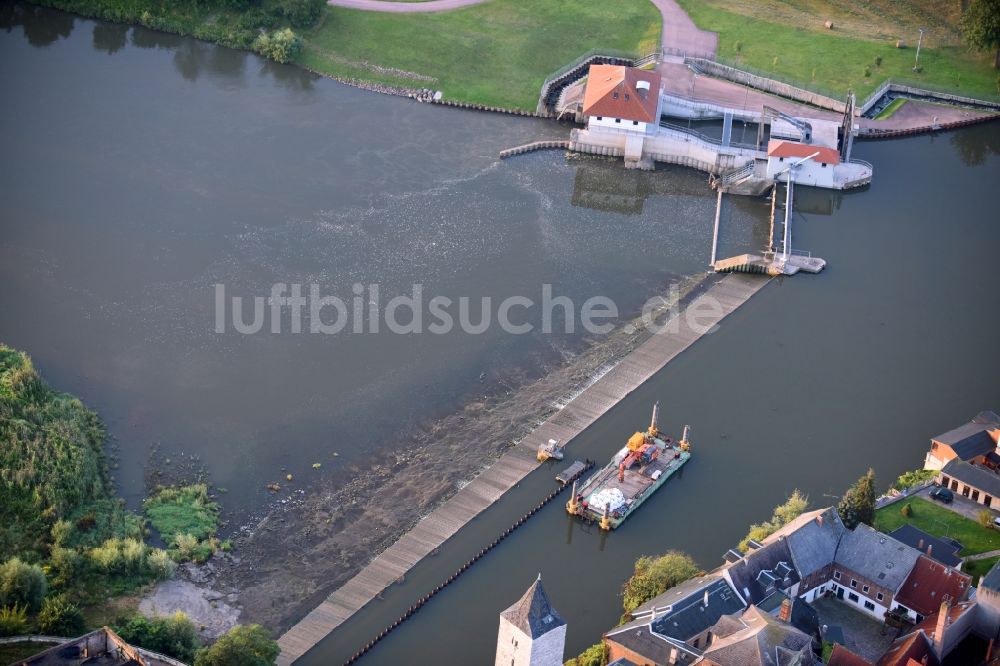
(996, 523)
(942, 495)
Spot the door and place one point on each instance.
(840, 593)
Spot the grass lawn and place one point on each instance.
(497, 53)
(978, 568)
(833, 61)
(891, 109)
(941, 522)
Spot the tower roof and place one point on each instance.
(532, 613)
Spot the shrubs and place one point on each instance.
(985, 518)
(907, 510)
(174, 635)
(22, 584)
(913, 478)
(595, 655)
(783, 514)
(243, 645)
(130, 557)
(60, 617)
(281, 45)
(655, 576)
(13, 620)
(160, 564)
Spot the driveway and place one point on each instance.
(681, 34)
(961, 505)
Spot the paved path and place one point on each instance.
(681, 34)
(404, 7)
(982, 556)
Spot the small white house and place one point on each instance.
(622, 98)
(818, 172)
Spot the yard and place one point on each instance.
(941, 522)
(769, 37)
(497, 53)
(979, 568)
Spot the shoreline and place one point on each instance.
(432, 529)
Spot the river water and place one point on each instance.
(139, 170)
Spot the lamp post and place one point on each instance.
(916, 61)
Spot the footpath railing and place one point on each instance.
(717, 69)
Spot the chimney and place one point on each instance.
(785, 614)
(943, 619)
(920, 545)
(819, 520)
(930, 549)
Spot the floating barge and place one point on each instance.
(636, 472)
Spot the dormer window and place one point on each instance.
(614, 95)
(626, 97)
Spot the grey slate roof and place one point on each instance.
(972, 439)
(532, 613)
(876, 556)
(977, 477)
(804, 616)
(772, 563)
(944, 551)
(991, 581)
(677, 593)
(812, 545)
(689, 617)
(765, 641)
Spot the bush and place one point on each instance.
(160, 564)
(595, 655)
(21, 584)
(174, 635)
(301, 13)
(60, 617)
(62, 532)
(281, 45)
(783, 514)
(13, 620)
(240, 646)
(64, 563)
(907, 510)
(654, 576)
(186, 544)
(912, 479)
(107, 556)
(985, 518)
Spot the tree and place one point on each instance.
(595, 655)
(915, 477)
(60, 617)
(783, 514)
(240, 646)
(654, 576)
(858, 503)
(21, 584)
(985, 518)
(174, 635)
(981, 27)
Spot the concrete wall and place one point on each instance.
(717, 70)
(617, 123)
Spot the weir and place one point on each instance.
(678, 333)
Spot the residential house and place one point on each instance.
(794, 610)
(674, 627)
(980, 484)
(944, 551)
(841, 656)
(756, 638)
(974, 442)
(812, 540)
(762, 571)
(869, 568)
(929, 584)
(910, 650)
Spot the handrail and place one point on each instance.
(704, 137)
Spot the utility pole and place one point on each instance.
(916, 61)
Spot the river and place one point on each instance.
(142, 169)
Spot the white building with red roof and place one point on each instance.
(622, 98)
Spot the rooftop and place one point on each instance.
(533, 614)
(972, 439)
(762, 640)
(841, 656)
(944, 551)
(928, 585)
(972, 475)
(876, 556)
(102, 647)
(622, 92)
(783, 148)
(915, 646)
(812, 539)
(761, 571)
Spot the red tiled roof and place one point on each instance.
(614, 91)
(841, 656)
(929, 625)
(912, 647)
(928, 583)
(782, 148)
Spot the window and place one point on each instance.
(618, 120)
(600, 117)
(975, 495)
(879, 596)
(869, 605)
(865, 589)
(823, 164)
(781, 159)
(853, 597)
(854, 584)
(836, 575)
(614, 95)
(635, 122)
